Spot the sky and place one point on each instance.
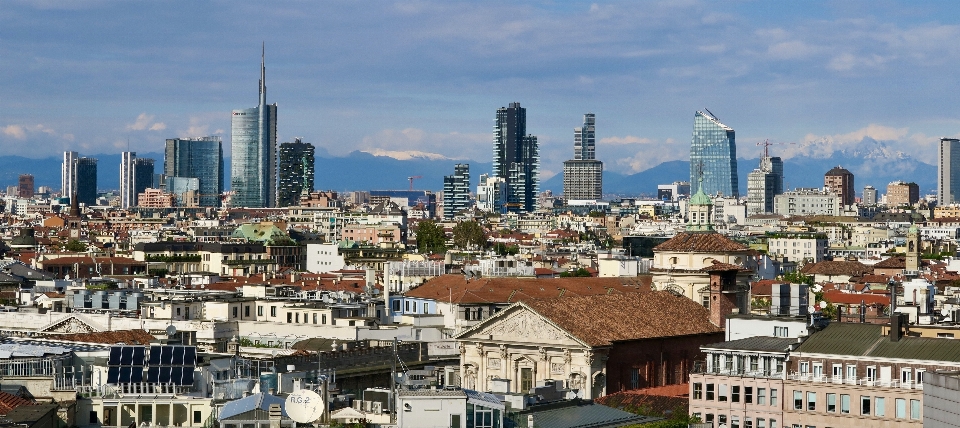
(425, 78)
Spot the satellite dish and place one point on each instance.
(171, 330)
(304, 406)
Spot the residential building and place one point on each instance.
(155, 198)
(296, 172)
(839, 181)
(253, 177)
(583, 175)
(458, 408)
(869, 196)
(86, 180)
(323, 257)
(713, 156)
(516, 158)
(68, 174)
(808, 247)
(456, 191)
(198, 158)
(948, 172)
(128, 193)
(763, 184)
(807, 202)
(491, 194)
(25, 187)
(900, 194)
(941, 394)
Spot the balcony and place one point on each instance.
(876, 383)
(700, 368)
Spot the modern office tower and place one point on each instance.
(68, 175)
(128, 194)
(253, 177)
(296, 172)
(763, 184)
(25, 186)
(200, 158)
(86, 180)
(948, 172)
(583, 175)
(869, 195)
(456, 191)
(516, 158)
(673, 191)
(839, 181)
(900, 193)
(713, 153)
(142, 177)
(491, 194)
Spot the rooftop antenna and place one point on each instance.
(711, 113)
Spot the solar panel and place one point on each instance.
(176, 358)
(187, 376)
(126, 356)
(113, 373)
(153, 374)
(176, 375)
(124, 375)
(155, 355)
(190, 356)
(138, 355)
(114, 359)
(136, 375)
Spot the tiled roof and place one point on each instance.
(693, 242)
(895, 262)
(128, 337)
(510, 290)
(841, 298)
(9, 402)
(603, 319)
(653, 403)
(717, 266)
(836, 267)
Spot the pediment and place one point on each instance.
(70, 325)
(522, 325)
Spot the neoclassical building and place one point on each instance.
(595, 344)
(683, 263)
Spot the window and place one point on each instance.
(314, 318)
(837, 371)
(721, 419)
(716, 362)
(871, 373)
(844, 403)
(396, 305)
(710, 391)
(879, 409)
(781, 332)
(406, 306)
(734, 422)
(323, 319)
(901, 405)
(811, 401)
(259, 311)
(865, 405)
(920, 376)
(697, 391)
(831, 403)
(817, 370)
(761, 423)
(735, 394)
(273, 311)
(728, 363)
(483, 418)
(914, 409)
(851, 372)
(93, 417)
(197, 417)
(297, 317)
(804, 367)
(747, 422)
(178, 311)
(748, 394)
(754, 363)
(709, 418)
(773, 423)
(773, 401)
(779, 365)
(722, 393)
(289, 317)
(906, 376)
(797, 400)
(235, 311)
(761, 396)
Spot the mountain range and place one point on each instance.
(871, 162)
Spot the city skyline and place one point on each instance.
(819, 75)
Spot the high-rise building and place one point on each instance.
(86, 180)
(763, 184)
(583, 175)
(142, 176)
(68, 175)
(128, 193)
(900, 193)
(25, 186)
(839, 181)
(869, 195)
(516, 158)
(296, 172)
(491, 194)
(948, 172)
(253, 177)
(200, 158)
(713, 153)
(456, 191)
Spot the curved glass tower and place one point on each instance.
(253, 170)
(713, 152)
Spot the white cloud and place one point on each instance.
(451, 145)
(15, 131)
(628, 139)
(406, 154)
(146, 122)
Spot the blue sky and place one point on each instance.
(426, 77)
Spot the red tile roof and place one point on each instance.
(700, 242)
(836, 267)
(128, 337)
(9, 402)
(510, 289)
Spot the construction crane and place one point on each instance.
(766, 144)
(411, 178)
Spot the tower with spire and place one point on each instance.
(254, 143)
(700, 208)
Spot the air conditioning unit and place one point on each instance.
(377, 407)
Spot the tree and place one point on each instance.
(797, 278)
(431, 237)
(503, 249)
(75, 246)
(468, 234)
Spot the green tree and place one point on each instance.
(797, 278)
(503, 249)
(430, 237)
(75, 246)
(468, 234)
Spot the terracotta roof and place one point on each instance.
(9, 402)
(650, 401)
(836, 267)
(764, 287)
(128, 337)
(895, 262)
(691, 242)
(841, 298)
(717, 266)
(511, 289)
(603, 319)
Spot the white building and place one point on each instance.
(793, 247)
(807, 202)
(323, 258)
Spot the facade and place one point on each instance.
(869, 196)
(296, 172)
(491, 194)
(198, 158)
(810, 247)
(455, 408)
(253, 172)
(763, 184)
(155, 198)
(900, 193)
(516, 158)
(86, 180)
(128, 194)
(807, 202)
(68, 174)
(941, 400)
(583, 175)
(456, 191)
(25, 187)
(948, 172)
(839, 181)
(142, 176)
(713, 154)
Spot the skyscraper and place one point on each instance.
(253, 178)
(200, 158)
(25, 186)
(713, 151)
(86, 180)
(142, 177)
(839, 181)
(763, 184)
(296, 172)
(948, 172)
(456, 191)
(68, 175)
(583, 175)
(516, 158)
(128, 195)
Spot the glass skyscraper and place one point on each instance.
(713, 153)
(200, 158)
(456, 191)
(296, 172)
(516, 158)
(583, 175)
(948, 172)
(253, 172)
(86, 181)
